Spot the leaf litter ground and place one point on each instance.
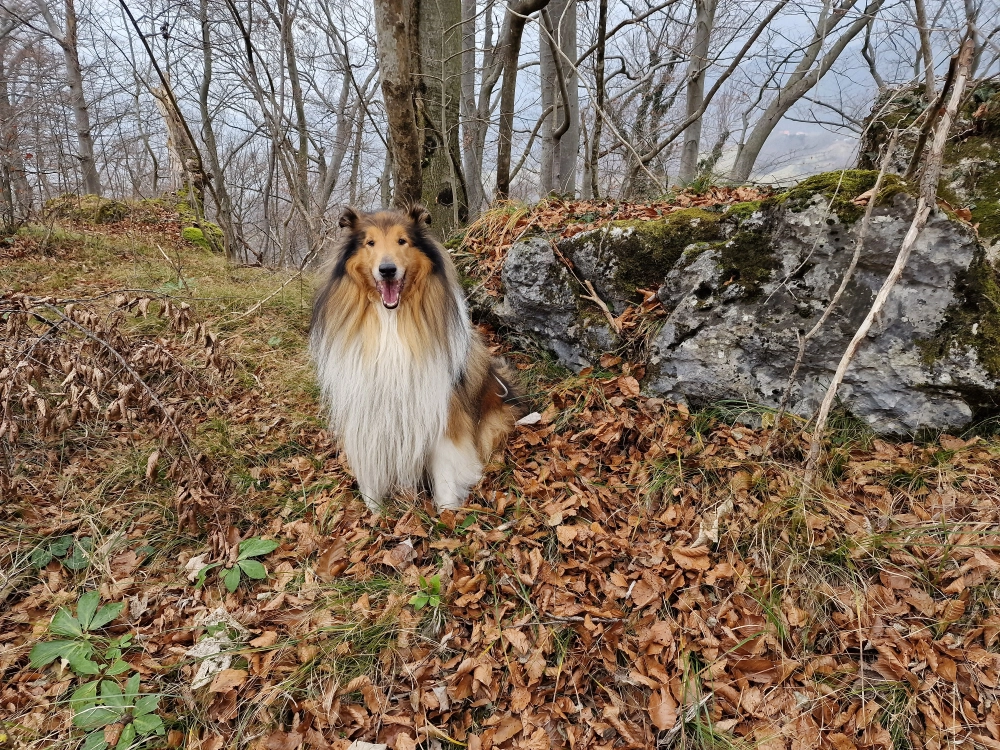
(628, 574)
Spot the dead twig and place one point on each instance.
(593, 296)
(848, 275)
(925, 203)
(931, 113)
(689, 715)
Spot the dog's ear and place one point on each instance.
(349, 219)
(420, 215)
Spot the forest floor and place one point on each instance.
(629, 573)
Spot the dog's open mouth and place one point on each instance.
(390, 292)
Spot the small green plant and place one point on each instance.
(73, 554)
(429, 594)
(86, 652)
(233, 573)
(115, 717)
(112, 716)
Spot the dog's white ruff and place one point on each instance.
(390, 410)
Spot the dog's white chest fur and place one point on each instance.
(388, 406)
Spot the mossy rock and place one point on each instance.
(973, 321)
(748, 259)
(842, 187)
(652, 247)
(746, 211)
(625, 256)
(89, 209)
(971, 172)
(196, 236)
(971, 179)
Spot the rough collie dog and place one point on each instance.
(411, 390)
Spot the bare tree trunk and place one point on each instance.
(925, 49)
(385, 181)
(16, 190)
(803, 78)
(329, 171)
(569, 144)
(548, 74)
(704, 22)
(398, 51)
(561, 133)
(185, 162)
(440, 35)
(472, 157)
(224, 209)
(599, 96)
(67, 40)
(301, 186)
(509, 47)
(866, 52)
(356, 161)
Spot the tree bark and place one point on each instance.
(509, 47)
(16, 190)
(472, 153)
(398, 49)
(440, 45)
(599, 96)
(185, 162)
(925, 49)
(704, 22)
(551, 102)
(224, 207)
(301, 156)
(803, 78)
(67, 40)
(477, 125)
(385, 181)
(561, 134)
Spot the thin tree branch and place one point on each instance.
(925, 203)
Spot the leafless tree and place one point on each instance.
(289, 108)
(66, 37)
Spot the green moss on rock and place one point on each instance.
(196, 236)
(972, 167)
(648, 249)
(973, 321)
(743, 211)
(89, 209)
(747, 258)
(842, 186)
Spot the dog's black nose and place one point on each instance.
(387, 270)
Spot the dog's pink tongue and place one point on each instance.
(389, 290)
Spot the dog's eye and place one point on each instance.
(370, 243)
(401, 241)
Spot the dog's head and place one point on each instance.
(389, 252)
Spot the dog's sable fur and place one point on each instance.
(410, 388)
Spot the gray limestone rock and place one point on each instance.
(736, 306)
(716, 345)
(542, 300)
